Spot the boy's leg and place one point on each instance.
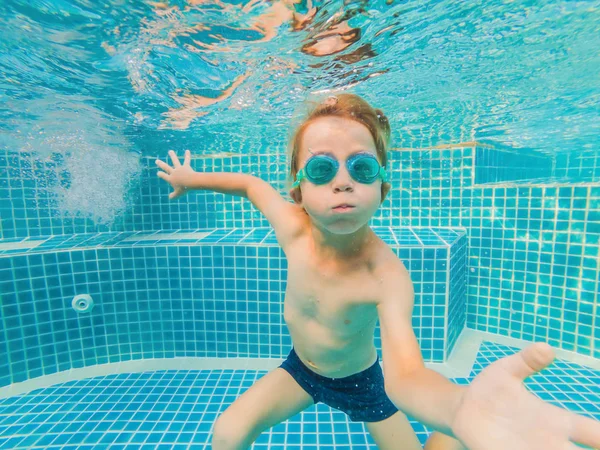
(274, 398)
(396, 433)
(440, 441)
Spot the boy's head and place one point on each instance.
(345, 141)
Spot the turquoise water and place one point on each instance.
(123, 73)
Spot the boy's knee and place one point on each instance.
(229, 434)
(439, 441)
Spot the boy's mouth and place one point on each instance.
(343, 207)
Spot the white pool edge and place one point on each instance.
(459, 364)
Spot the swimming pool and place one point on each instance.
(495, 206)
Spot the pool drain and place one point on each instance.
(82, 303)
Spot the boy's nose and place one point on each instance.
(343, 182)
(343, 188)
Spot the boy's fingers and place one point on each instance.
(528, 361)
(163, 175)
(174, 159)
(176, 193)
(586, 431)
(163, 166)
(187, 158)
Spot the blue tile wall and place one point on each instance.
(499, 165)
(494, 165)
(533, 249)
(216, 296)
(578, 166)
(200, 209)
(29, 193)
(457, 304)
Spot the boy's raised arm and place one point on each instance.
(416, 390)
(285, 217)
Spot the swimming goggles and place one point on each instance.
(321, 169)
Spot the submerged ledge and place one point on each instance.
(393, 236)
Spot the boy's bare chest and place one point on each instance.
(342, 298)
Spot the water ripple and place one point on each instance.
(522, 74)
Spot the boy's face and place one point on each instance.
(339, 138)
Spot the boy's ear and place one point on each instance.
(296, 195)
(385, 189)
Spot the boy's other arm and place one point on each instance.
(416, 390)
(495, 411)
(285, 217)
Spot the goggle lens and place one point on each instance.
(364, 168)
(321, 169)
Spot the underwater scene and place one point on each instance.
(340, 184)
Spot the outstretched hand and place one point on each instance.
(177, 175)
(497, 412)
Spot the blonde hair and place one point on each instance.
(347, 106)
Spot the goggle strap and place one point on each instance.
(299, 177)
(383, 174)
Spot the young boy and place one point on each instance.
(341, 279)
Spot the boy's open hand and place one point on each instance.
(177, 175)
(497, 412)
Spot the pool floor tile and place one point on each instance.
(176, 409)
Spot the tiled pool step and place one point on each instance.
(197, 293)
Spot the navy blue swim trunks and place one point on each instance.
(361, 395)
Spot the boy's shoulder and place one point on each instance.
(395, 284)
(386, 263)
(295, 223)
